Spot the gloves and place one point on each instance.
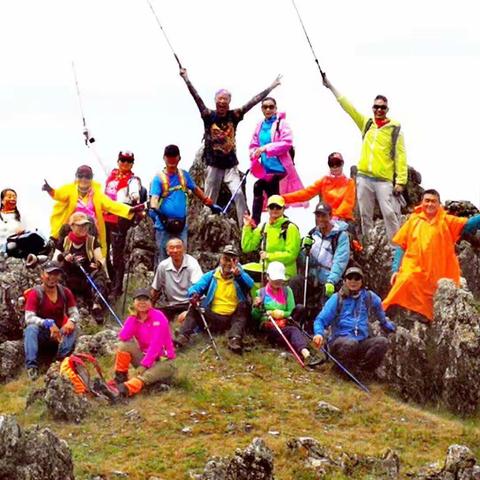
(153, 213)
(277, 314)
(217, 209)
(389, 326)
(329, 289)
(307, 242)
(48, 323)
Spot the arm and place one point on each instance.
(340, 259)
(193, 92)
(251, 238)
(359, 119)
(305, 194)
(397, 259)
(326, 316)
(244, 279)
(346, 208)
(195, 272)
(257, 98)
(115, 208)
(292, 247)
(61, 194)
(31, 318)
(73, 314)
(290, 303)
(160, 341)
(201, 286)
(472, 225)
(401, 168)
(99, 258)
(158, 283)
(328, 84)
(377, 306)
(200, 194)
(128, 330)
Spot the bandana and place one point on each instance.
(76, 239)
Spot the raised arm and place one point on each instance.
(258, 98)
(198, 100)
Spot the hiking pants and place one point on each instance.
(162, 371)
(234, 323)
(231, 176)
(116, 258)
(369, 189)
(77, 282)
(270, 188)
(172, 311)
(161, 239)
(365, 355)
(293, 334)
(36, 337)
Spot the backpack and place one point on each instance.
(174, 226)
(76, 369)
(67, 245)
(40, 293)
(283, 231)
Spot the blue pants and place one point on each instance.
(36, 336)
(161, 238)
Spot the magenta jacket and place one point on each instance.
(153, 336)
(280, 145)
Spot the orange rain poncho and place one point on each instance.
(429, 246)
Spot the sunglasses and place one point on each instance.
(379, 107)
(269, 107)
(82, 175)
(125, 160)
(274, 206)
(356, 278)
(336, 164)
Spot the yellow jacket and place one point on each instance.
(375, 158)
(66, 203)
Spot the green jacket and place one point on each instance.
(375, 158)
(281, 246)
(260, 314)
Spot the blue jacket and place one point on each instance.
(207, 285)
(326, 264)
(352, 321)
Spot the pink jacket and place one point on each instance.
(153, 336)
(282, 141)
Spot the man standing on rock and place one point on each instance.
(425, 253)
(174, 276)
(220, 126)
(226, 291)
(382, 168)
(51, 317)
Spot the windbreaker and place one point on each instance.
(375, 158)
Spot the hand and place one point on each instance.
(68, 328)
(329, 289)
(389, 326)
(55, 333)
(195, 299)
(93, 266)
(216, 209)
(69, 258)
(258, 151)
(307, 242)
(248, 221)
(318, 341)
(393, 278)
(263, 255)
(48, 323)
(183, 73)
(326, 82)
(277, 314)
(19, 230)
(137, 208)
(46, 187)
(277, 81)
(398, 189)
(181, 316)
(257, 301)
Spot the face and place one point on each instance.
(380, 109)
(222, 103)
(269, 109)
(430, 204)
(51, 279)
(125, 165)
(277, 284)
(80, 230)
(175, 249)
(84, 181)
(227, 264)
(142, 304)
(171, 162)
(336, 165)
(354, 282)
(9, 200)
(275, 211)
(322, 220)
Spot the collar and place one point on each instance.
(171, 266)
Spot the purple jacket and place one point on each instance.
(153, 336)
(280, 145)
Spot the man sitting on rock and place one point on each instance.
(174, 276)
(226, 290)
(425, 253)
(51, 316)
(348, 312)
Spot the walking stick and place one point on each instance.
(124, 302)
(289, 345)
(232, 198)
(92, 283)
(205, 324)
(305, 280)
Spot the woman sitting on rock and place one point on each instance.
(146, 343)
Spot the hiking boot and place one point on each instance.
(181, 340)
(97, 313)
(313, 361)
(235, 344)
(32, 373)
(120, 377)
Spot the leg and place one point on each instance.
(371, 353)
(213, 182)
(161, 371)
(239, 320)
(67, 345)
(161, 239)
(366, 203)
(384, 192)
(258, 188)
(345, 350)
(192, 321)
(232, 179)
(109, 227)
(297, 339)
(34, 336)
(119, 237)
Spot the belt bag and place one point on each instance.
(173, 225)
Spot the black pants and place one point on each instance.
(270, 188)
(80, 286)
(234, 323)
(366, 355)
(172, 311)
(116, 258)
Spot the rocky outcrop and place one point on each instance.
(439, 363)
(32, 454)
(140, 246)
(11, 359)
(100, 344)
(253, 463)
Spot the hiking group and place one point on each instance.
(307, 295)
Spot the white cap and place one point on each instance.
(276, 271)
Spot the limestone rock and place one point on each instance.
(11, 359)
(32, 454)
(469, 258)
(100, 344)
(327, 410)
(140, 245)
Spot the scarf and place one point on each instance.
(76, 239)
(278, 296)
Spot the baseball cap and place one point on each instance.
(52, 266)
(142, 292)
(79, 218)
(171, 151)
(323, 209)
(230, 250)
(354, 271)
(335, 159)
(276, 271)
(84, 170)
(276, 200)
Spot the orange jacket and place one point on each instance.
(338, 192)
(429, 247)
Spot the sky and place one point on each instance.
(424, 56)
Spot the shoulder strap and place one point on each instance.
(40, 295)
(338, 309)
(165, 184)
(183, 181)
(89, 245)
(367, 127)
(393, 150)
(67, 244)
(261, 294)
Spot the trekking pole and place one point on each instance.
(205, 324)
(124, 302)
(232, 198)
(263, 245)
(305, 280)
(334, 360)
(289, 345)
(322, 73)
(164, 34)
(92, 283)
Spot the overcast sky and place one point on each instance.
(423, 55)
